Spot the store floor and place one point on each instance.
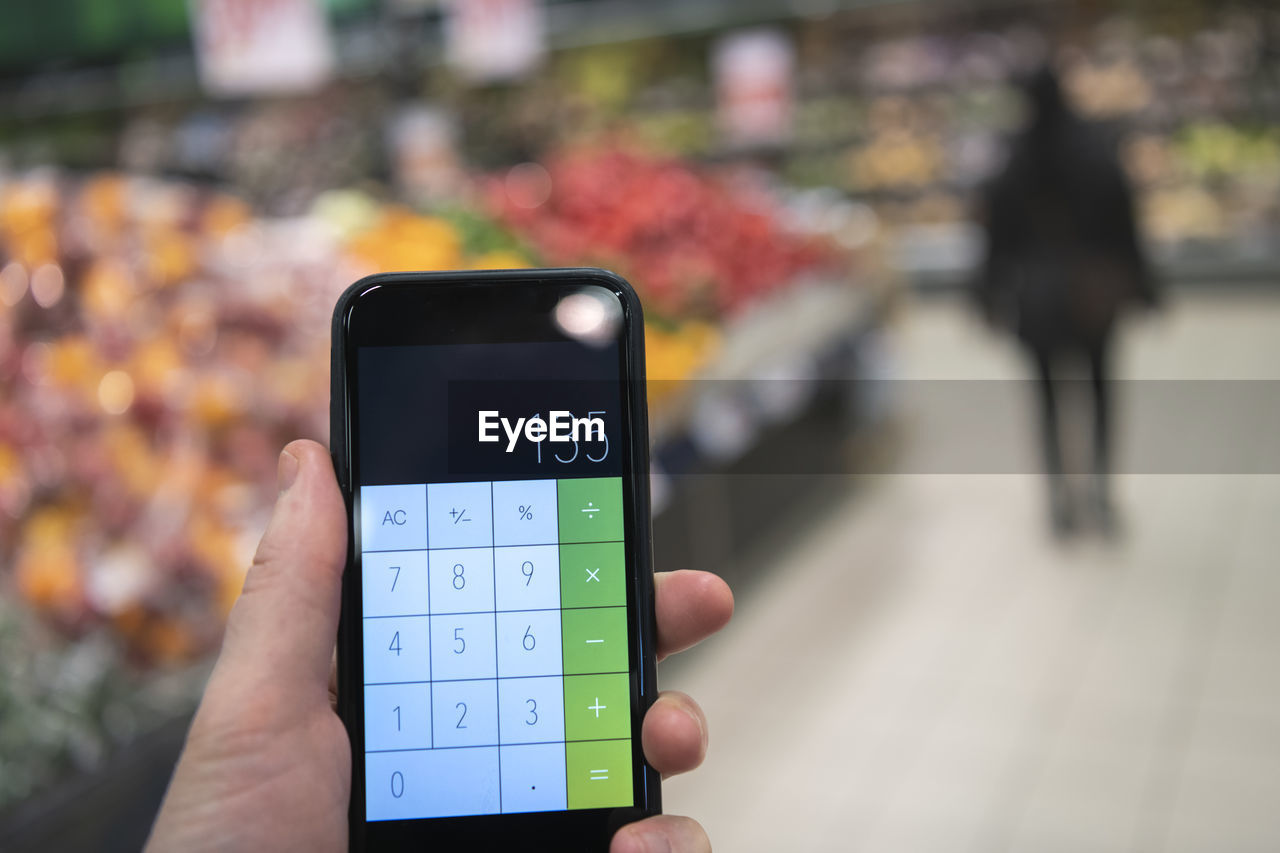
(921, 668)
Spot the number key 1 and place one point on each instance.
(397, 716)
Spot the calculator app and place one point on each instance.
(494, 609)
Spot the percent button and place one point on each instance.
(524, 512)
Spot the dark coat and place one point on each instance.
(1063, 255)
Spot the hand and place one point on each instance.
(267, 763)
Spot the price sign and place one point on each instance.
(250, 47)
(753, 73)
(494, 39)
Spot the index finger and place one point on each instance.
(691, 607)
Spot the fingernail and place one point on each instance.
(702, 728)
(683, 703)
(286, 470)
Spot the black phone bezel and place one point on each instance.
(402, 301)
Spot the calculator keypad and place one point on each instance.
(495, 654)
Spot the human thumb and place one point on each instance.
(283, 626)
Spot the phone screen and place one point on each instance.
(494, 515)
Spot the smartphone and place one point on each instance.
(496, 651)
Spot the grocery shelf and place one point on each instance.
(734, 455)
(589, 22)
(113, 805)
(780, 338)
(368, 44)
(760, 435)
(948, 257)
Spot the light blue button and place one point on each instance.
(462, 647)
(458, 515)
(529, 644)
(461, 580)
(394, 583)
(524, 512)
(396, 649)
(397, 716)
(393, 517)
(533, 778)
(531, 710)
(431, 783)
(465, 713)
(528, 577)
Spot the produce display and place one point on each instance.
(159, 345)
(134, 444)
(159, 342)
(695, 245)
(911, 119)
(1193, 107)
(907, 117)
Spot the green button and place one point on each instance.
(593, 575)
(594, 640)
(597, 706)
(599, 774)
(590, 509)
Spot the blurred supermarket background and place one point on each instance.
(185, 187)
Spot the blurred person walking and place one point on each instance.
(1063, 263)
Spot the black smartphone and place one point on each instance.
(496, 651)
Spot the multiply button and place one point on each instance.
(393, 518)
(593, 575)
